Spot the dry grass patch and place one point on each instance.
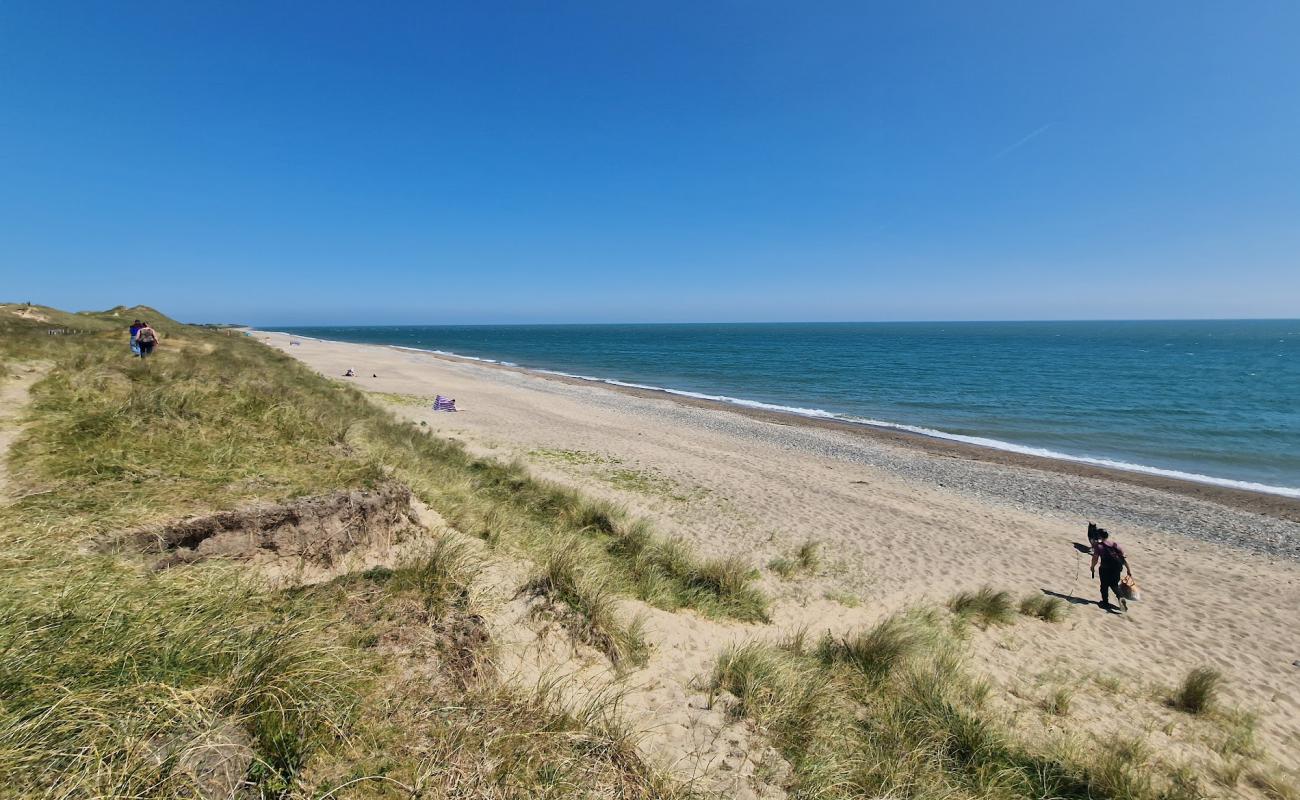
(892, 712)
(582, 601)
(806, 559)
(1197, 692)
(986, 606)
(1057, 702)
(1048, 609)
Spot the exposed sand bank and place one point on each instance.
(901, 520)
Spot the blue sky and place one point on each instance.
(609, 161)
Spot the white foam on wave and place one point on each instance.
(979, 441)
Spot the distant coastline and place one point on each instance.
(1275, 501)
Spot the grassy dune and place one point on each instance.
(116, 681)
(891, 711)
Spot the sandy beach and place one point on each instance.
(899, 521)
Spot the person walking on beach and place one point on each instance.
(135, 346)
(1110, 557)
(146, 337)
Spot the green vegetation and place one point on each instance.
(986, 606)
(891, 712)
(1275, 784)
(645, 482)
(876, 652)
(118, 681)
(504, 505)
(1196, 694)
(806, 559)
(845, 599)
(642, 481)
(1048, 609)
(413, 400)
(783, 566)
(592, 614)
(578, 457)
(1058, 701)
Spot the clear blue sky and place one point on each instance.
(614, 161)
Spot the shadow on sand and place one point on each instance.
(1077, 601)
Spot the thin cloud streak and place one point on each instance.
(1023, 141)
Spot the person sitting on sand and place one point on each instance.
(146, 337)
(350, 373)
(1112, 560)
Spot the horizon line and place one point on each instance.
(269, 327)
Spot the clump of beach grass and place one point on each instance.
(846, 599)
(806, 559)
(441, 575)
(877, 651)
(783, 566)
(1058, 701)
(1048, 609)
(1197, 692)
(985, 605)
(1275, 783)
(593, 614)
(809, 555)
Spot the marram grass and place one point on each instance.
(892, 712)
(117, 682)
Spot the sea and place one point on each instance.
(1211, 401)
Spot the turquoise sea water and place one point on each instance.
(1217, 400)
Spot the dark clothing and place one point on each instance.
(1109, 552)
(1110, 574)
(146, 348)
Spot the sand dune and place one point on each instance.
(897, 526)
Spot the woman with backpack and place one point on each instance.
(146, 337)
(1110, 556)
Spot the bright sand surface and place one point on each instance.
(898, 525)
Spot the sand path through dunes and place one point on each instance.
(898, 526)
(14, 395)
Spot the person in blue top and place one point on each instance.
(135, 328)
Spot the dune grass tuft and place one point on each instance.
(593, 614)
(806, 559)
(440, 575)
(877, 651)
(986, 606)
(809, 555)
(1275, 783)
(1057, 701)
(783, 566)
(1048, 609)
(1196, 694)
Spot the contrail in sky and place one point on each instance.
(1023, 141)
